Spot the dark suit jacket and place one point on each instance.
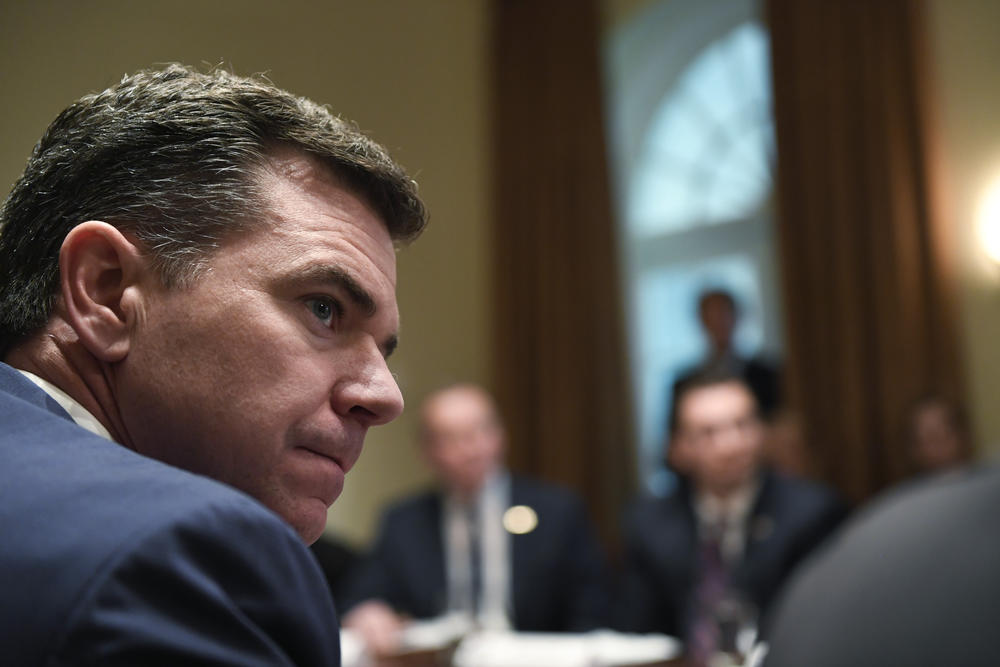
(558, 573)
(111, 558)
(789, 518)
(336, 559)
(914, 580)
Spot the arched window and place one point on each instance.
(706, 157)
(692, 137)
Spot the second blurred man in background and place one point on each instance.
(508, 552)
(723, 542)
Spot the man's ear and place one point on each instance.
(98, 264)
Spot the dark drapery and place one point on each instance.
(559, 362)
(867, 285)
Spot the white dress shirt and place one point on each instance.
(730, 515)
(493, 612)
(77, 412)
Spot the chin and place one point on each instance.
(309, 522)
(310, 533)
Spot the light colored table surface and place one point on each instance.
(495, 649)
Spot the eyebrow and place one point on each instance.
(359, 296)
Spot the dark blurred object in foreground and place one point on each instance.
(912, 581)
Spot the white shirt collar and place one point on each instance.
(77, 412)
(735, 508)
(730, 516)
(489, 504)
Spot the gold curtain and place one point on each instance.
(559, 362)
(867, 285)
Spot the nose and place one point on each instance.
(730, 439)
(372, 396)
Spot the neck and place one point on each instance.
(57, 355)
(720, 351)
(464, 495)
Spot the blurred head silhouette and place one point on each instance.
(462, 437)
(937, 433)
(717, 434)
(718, 315)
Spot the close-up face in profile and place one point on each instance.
(720, 435)
(268, 371)
(463, 439)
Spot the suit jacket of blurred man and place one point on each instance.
(788, 519)
(557, 570)
(112, 558)
(914, 580)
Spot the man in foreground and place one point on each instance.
(714, 552)
(197, 275)
(507, 552)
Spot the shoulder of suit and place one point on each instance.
(80, 510)
(527, 490)
(676, 504)
(795, 496)
(401, 509)
(950, 497)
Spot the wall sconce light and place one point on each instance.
(989, 222)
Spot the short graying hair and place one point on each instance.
(172, 156)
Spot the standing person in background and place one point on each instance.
(937, 435)
(727, 536)
(197, 299)
(719, 314)
(508, 552)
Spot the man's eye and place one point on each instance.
(324, 309)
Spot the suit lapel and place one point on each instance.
(759, 529)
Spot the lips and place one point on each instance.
(322, 475)
(344, 451)
(328, 457)
(321, 454)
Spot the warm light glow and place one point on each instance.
(989, 221)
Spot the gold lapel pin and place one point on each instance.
(520, 519)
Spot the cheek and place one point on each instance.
(212, 379)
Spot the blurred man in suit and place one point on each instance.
(197, 299)
(508, 552)
(730, 532)
(913, 580)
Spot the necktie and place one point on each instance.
(709, 590)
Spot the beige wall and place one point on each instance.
(412, 74)
(965, 52)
